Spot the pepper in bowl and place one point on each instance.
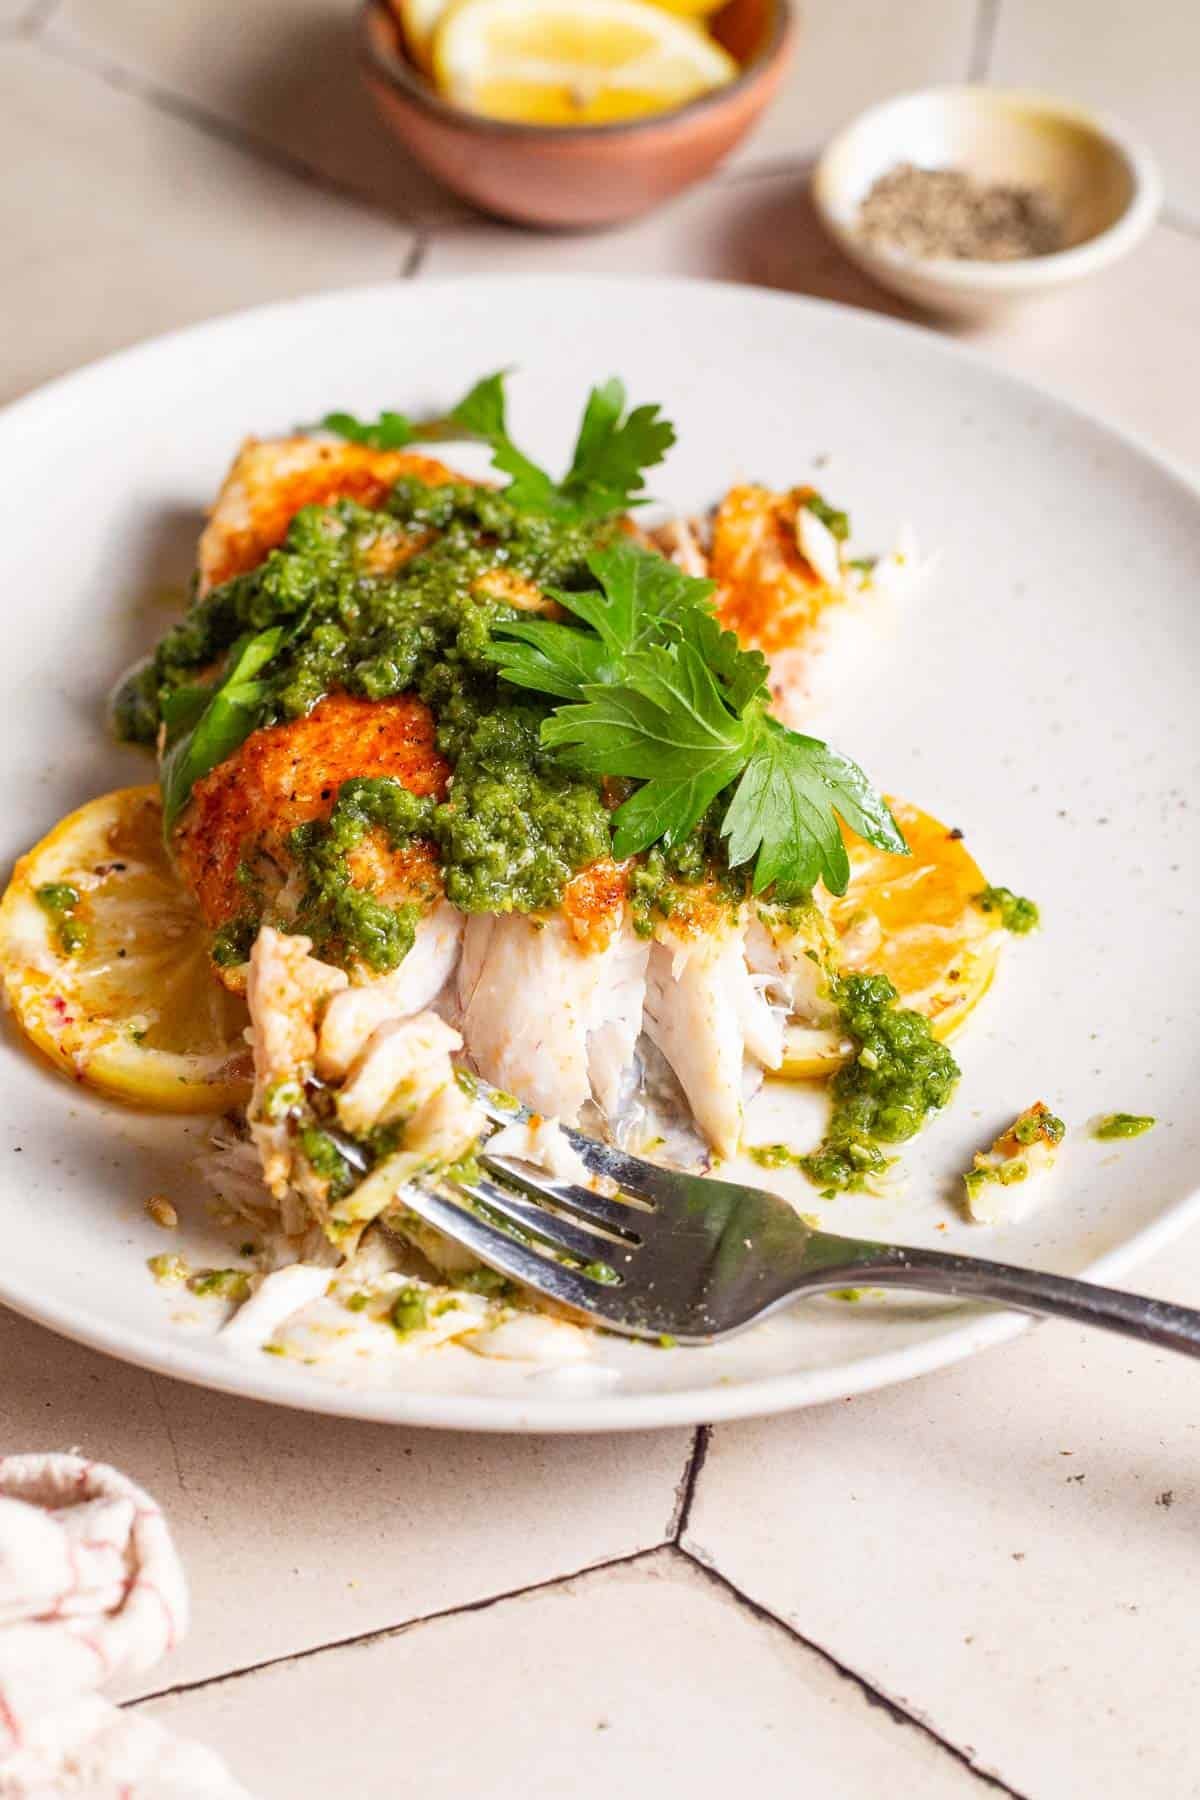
(970, 200)
(571, 112)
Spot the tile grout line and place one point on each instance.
(382, 1632)
(798, 163)
(873, 1695)
(685, 1493)
(695, 1561)
(983, 39)
(414, 262)
(237, 137)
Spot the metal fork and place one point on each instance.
(692, 1259)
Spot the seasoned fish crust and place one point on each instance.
(270, 481)
(768, 592)
(285, 775)
(593, 902)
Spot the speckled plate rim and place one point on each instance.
(982, 1327)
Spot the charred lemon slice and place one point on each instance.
(105, 964)
(915, 920)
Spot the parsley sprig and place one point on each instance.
(205, 724)
(613, 450)
(653, 690)
(390, 431)
(607, 475)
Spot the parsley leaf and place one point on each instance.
(482, 414)
(206, 724)
(743, 672)
(637, 597)
(783, 813)
(639, 593)
(548, 657)
(780, 816)
(665, 722)
(390, 431)
(658, 693)
(611, 453)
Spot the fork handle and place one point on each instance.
(1026, 1290)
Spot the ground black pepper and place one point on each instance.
(946, 213)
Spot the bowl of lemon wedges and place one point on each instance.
(572, 112)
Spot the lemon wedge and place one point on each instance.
(418, 21)
(573, 62)
(690, 9)
(104, 961)
(911, 918)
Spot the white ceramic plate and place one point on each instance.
(1041, 695)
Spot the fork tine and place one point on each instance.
(499, 1251)
(643, 1180)
(613, 1215)
(561, 1233)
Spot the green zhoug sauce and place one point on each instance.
(775, 1156)
(659, 883)
(899, 1075)
(517, 824)
(1017, 914)
(1124, 1125)
(62, 901)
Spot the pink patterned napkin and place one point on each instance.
(90, 1589)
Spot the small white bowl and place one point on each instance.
(1105, 185)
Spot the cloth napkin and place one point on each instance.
(90, 1589)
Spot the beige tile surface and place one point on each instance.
(1139, 62)
(1123, 344)
(757, 227)
(297, 1530)
(641, 1680)
(849, 54)
(1008, 1548)
(118, 221)
(282, 71)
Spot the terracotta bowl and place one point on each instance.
(577, 175)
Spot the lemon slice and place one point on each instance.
(573, 62)
(104, 960)
(913, 919)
